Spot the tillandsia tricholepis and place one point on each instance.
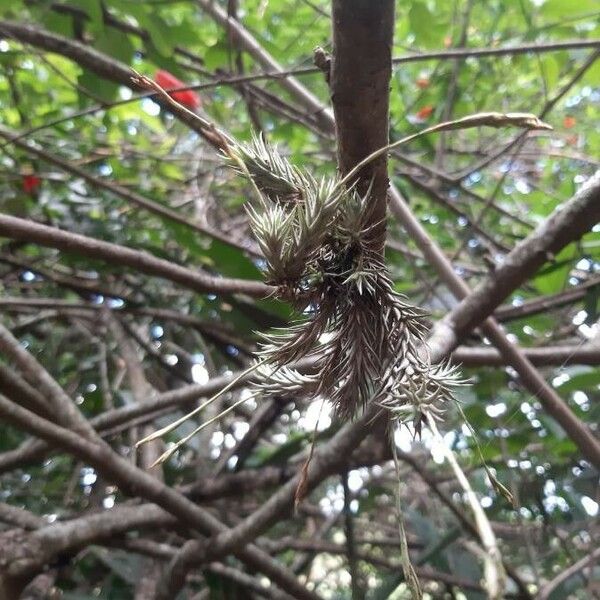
(364, 342)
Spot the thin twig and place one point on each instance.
(407, 566)
(494, 574)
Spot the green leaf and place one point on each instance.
(160, 35)
(93, 8)
(592, 75)
(557, 9)
(587, 380)
(217, 56)
(97, 87)
(550, 71)
(552, 279)
(115, 43)
(57, 22)
(428, 31)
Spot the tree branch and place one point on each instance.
(530, 253)
(545, 303)
(29, 231)
(120, 191)
(24, 553)
(580, 434)
(575, 568)
(138, 483)
(502, 51)
(551, 356)
(98, 62)
(361, 68)
(566, 224)
(240, 36)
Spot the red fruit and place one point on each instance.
(188, 98)
(569, 122)
(30, 183)
(425, 112)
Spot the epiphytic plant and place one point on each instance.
(364, 341)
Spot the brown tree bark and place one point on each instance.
(361, 69)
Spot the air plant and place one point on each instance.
(364, 339)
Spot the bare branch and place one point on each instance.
(546, 303)
(98, 62)
(29, 231)
(518, 266)
(575, 568)
(120, 191)
(550, 356)
(502, 51)
(244, 39)
(567, 224)
(360, 80)
(134, 481)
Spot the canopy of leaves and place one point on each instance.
(92, 323)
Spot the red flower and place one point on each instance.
(30, 183)
(425, 112)
(188, 98)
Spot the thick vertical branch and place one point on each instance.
(350, 540)
(361, 68)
